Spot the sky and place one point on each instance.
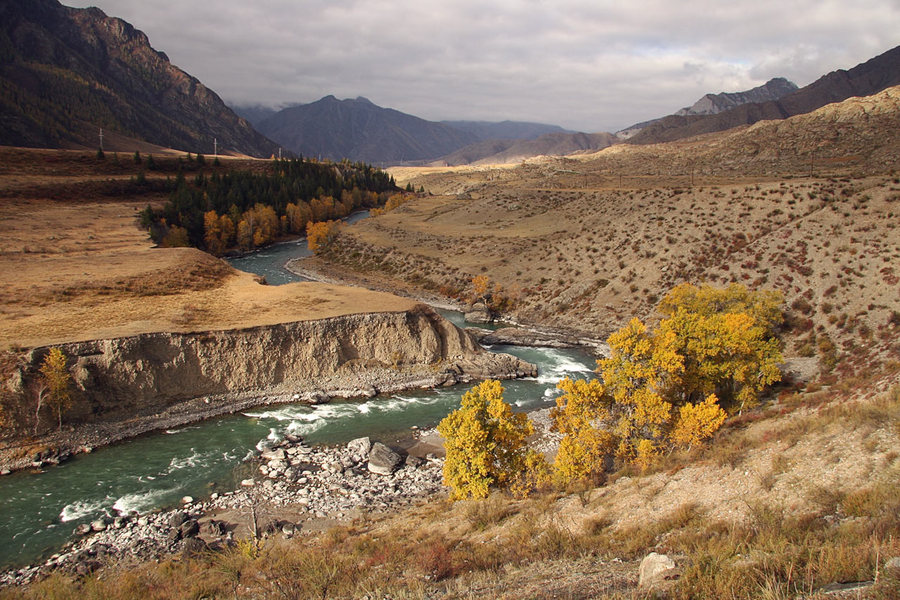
(587, 65)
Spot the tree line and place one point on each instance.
(662, 388)
(218, 212)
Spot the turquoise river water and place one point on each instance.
(41, 510)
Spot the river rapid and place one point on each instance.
(154, 471)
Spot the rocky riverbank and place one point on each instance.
(290, 489)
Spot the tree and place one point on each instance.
(320, 235)
(485, 443)
(715, 350)
(582, 415)
(697, 422)
(56, 381)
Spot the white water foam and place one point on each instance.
(140, 502)
(177, 431)
(79, 509)
(196, 459)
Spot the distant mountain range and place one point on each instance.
(360, 130)
(865, 79)
(65, 73)
(513, 151)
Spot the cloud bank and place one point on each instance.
(589, 65)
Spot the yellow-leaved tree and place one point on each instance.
(56, 380)
(638, 374)
(485, 443)
(715, 352)
(582, 415)
(319, 235)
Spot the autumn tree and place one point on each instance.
(582, 415)
(485, 443)
(56, 380)
(670, 386)
(320, 235)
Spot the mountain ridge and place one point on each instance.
(711, 104)
(111, 78)
(865, 79)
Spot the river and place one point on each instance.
(41, 510)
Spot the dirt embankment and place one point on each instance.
(126, 386)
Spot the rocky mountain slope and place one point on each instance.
(868, 78)
(65, 73)
(712, 104)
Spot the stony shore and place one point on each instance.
(292, 488)
(296, 490)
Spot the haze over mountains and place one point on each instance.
(66, 72)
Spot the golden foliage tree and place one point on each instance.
(485, 443)
(582, 415)
(320, 235)
(669, 387)
(56, 380)
(697, 422)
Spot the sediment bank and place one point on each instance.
(129, 386)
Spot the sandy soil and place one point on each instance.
(81, 268)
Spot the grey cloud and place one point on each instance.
(584, 64)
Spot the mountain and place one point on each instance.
(712, 104)
(66, 72)
(513, 151)
(254, 113)
(505, 130)
(360, 130)
(868, 78)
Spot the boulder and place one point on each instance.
(656, 570)
(360, 447)
(177, 518)
(193, 547)
(98, 525)
(217, 528)
(271, 455)
(383, 460)
(190, 528)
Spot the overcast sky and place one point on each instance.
(590, 65)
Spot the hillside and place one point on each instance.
(76, 265)
(868, 78)
(65, 73)
(498, 152)
(361, 131)
(589, 243)
(712, 104)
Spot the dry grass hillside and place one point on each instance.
(588, 244)
(74, 264)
